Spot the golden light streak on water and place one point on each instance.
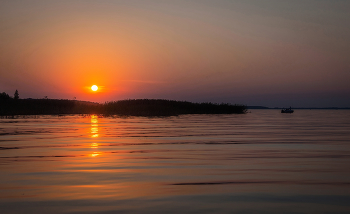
(95, 154)
(94, 146)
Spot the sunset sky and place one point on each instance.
(271, 52)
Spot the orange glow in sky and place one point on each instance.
(273, 53)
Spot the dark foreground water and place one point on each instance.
(260, 162)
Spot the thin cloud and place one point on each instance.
(145, 81)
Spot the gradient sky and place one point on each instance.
(253, 52)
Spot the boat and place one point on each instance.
(287, 110)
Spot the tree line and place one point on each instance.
(131, 107)
(5, 96)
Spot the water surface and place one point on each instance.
(260, 162)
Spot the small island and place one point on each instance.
(132, 107)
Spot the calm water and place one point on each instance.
(260, 162)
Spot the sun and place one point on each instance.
(94, 87)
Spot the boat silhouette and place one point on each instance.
(287, 110)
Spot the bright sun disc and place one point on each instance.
(94, 87)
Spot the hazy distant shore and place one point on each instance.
(138, 107)
(313, 108)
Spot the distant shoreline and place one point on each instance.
(312, 108)
(136, 107)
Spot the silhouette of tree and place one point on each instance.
(16, 96)
(4, 96)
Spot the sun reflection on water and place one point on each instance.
(95, 154)
(94, 145)
(94, 134)
(94, 126)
